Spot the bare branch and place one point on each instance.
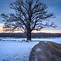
(29, 15)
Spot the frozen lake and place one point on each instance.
(57, 40)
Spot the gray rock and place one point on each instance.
(46, 51)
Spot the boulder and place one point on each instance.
(46, 51)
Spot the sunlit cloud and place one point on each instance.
(47, 31)
(34, 31)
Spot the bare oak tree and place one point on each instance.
(29, 15)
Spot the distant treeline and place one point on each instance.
(34, 35)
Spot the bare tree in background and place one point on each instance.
(29, 15)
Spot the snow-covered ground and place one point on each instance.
(13, 49)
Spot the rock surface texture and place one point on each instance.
(46, 51)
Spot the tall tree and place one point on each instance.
(29, 15)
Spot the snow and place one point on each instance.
(56, 40)
(15, 49)
(10, 50)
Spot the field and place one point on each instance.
(14, 49)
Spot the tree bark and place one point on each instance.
(28, 35)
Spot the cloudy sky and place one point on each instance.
(53, 6)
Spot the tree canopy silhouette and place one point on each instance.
(29, 15)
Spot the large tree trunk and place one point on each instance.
(28, 35)
(28, 32)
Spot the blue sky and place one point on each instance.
(53, 6)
